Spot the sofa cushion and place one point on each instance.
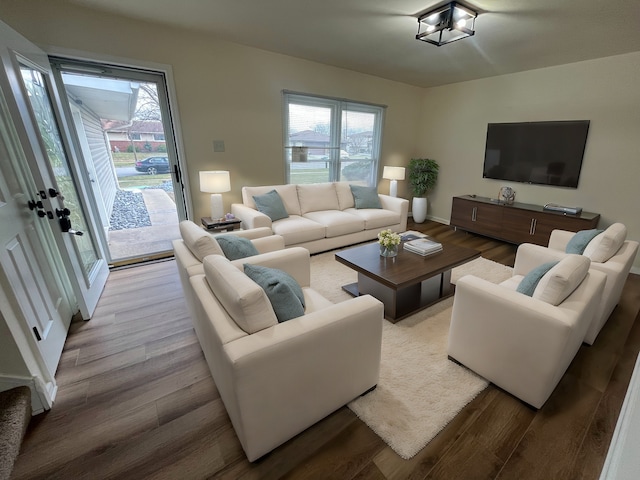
(345, 197)
(607, 244)
(317, 196)
(530, 281)
(296, 229)
(288, 195)
(243, 299)
(337, 223)
(284, 293)
(560, 282)
(271, 205)
(580, 240)
(199, 242)
(236, 247)
(375, 217)
(365, 197)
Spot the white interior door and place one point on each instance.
(53, 161)
(27, 269)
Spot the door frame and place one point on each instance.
(173, 116)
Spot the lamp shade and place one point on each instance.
(393, 173)
(215, 181)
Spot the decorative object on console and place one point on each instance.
(389, 242)
(215, 182)
(507, 195)
(446, 24)
(566, 210)
(393, 174)
(423, 175)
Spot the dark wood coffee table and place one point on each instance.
(406, 283)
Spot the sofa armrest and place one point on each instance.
(529, 256)
(250, 234)
(269, 244)
(295, 261)
(395, 204)
(559, 239)
(250, 217)
(291, 375)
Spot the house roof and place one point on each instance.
(149, 126)
(378, 36)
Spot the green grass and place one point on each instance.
(309, 176)
(143, 180)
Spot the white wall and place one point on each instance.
(604, 91)
(225, 91)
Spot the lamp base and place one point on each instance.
(393, 188)
(217, 207)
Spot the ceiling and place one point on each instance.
(378, 36)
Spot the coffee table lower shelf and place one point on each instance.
(403, 302)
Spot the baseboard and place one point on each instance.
(444, 221)
(42, 394)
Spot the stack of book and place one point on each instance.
(422, 246)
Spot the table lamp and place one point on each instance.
(215, 182)
(394, 174)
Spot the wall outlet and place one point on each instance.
(218, 145)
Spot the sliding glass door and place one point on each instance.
(124, 129)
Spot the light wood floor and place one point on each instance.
(136, 401)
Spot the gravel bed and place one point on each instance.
(167, 186)
(129, 211)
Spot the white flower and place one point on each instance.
(387, 238)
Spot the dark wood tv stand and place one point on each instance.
(516, 223)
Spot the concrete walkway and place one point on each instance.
(148, 241)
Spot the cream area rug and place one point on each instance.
(420, 390)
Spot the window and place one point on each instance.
(330, 140)
(158, 137)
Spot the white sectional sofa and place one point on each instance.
(322, 216)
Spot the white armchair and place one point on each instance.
(616, 268)
(283, 377)
(520, 343)
(195, 244)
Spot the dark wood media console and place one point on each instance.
(516, 223)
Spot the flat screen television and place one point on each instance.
(545, 153)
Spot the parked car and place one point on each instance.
(153, 165)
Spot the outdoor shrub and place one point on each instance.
(357, 171)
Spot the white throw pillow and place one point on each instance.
(199, 242)
(242, 298)
(560, 282)
(606, 245)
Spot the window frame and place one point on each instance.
(337, 107)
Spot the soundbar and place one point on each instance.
(559, 208)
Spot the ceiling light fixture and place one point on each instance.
(446, 24)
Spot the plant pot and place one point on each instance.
(419, 209)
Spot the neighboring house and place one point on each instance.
(145, 135)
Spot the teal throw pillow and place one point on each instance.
(235, 247)
(530, 281)
(271, 204)
(282, 290)
(365, 197)
(580, 240)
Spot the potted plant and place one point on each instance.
(423, 175)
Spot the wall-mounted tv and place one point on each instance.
(545, 153)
